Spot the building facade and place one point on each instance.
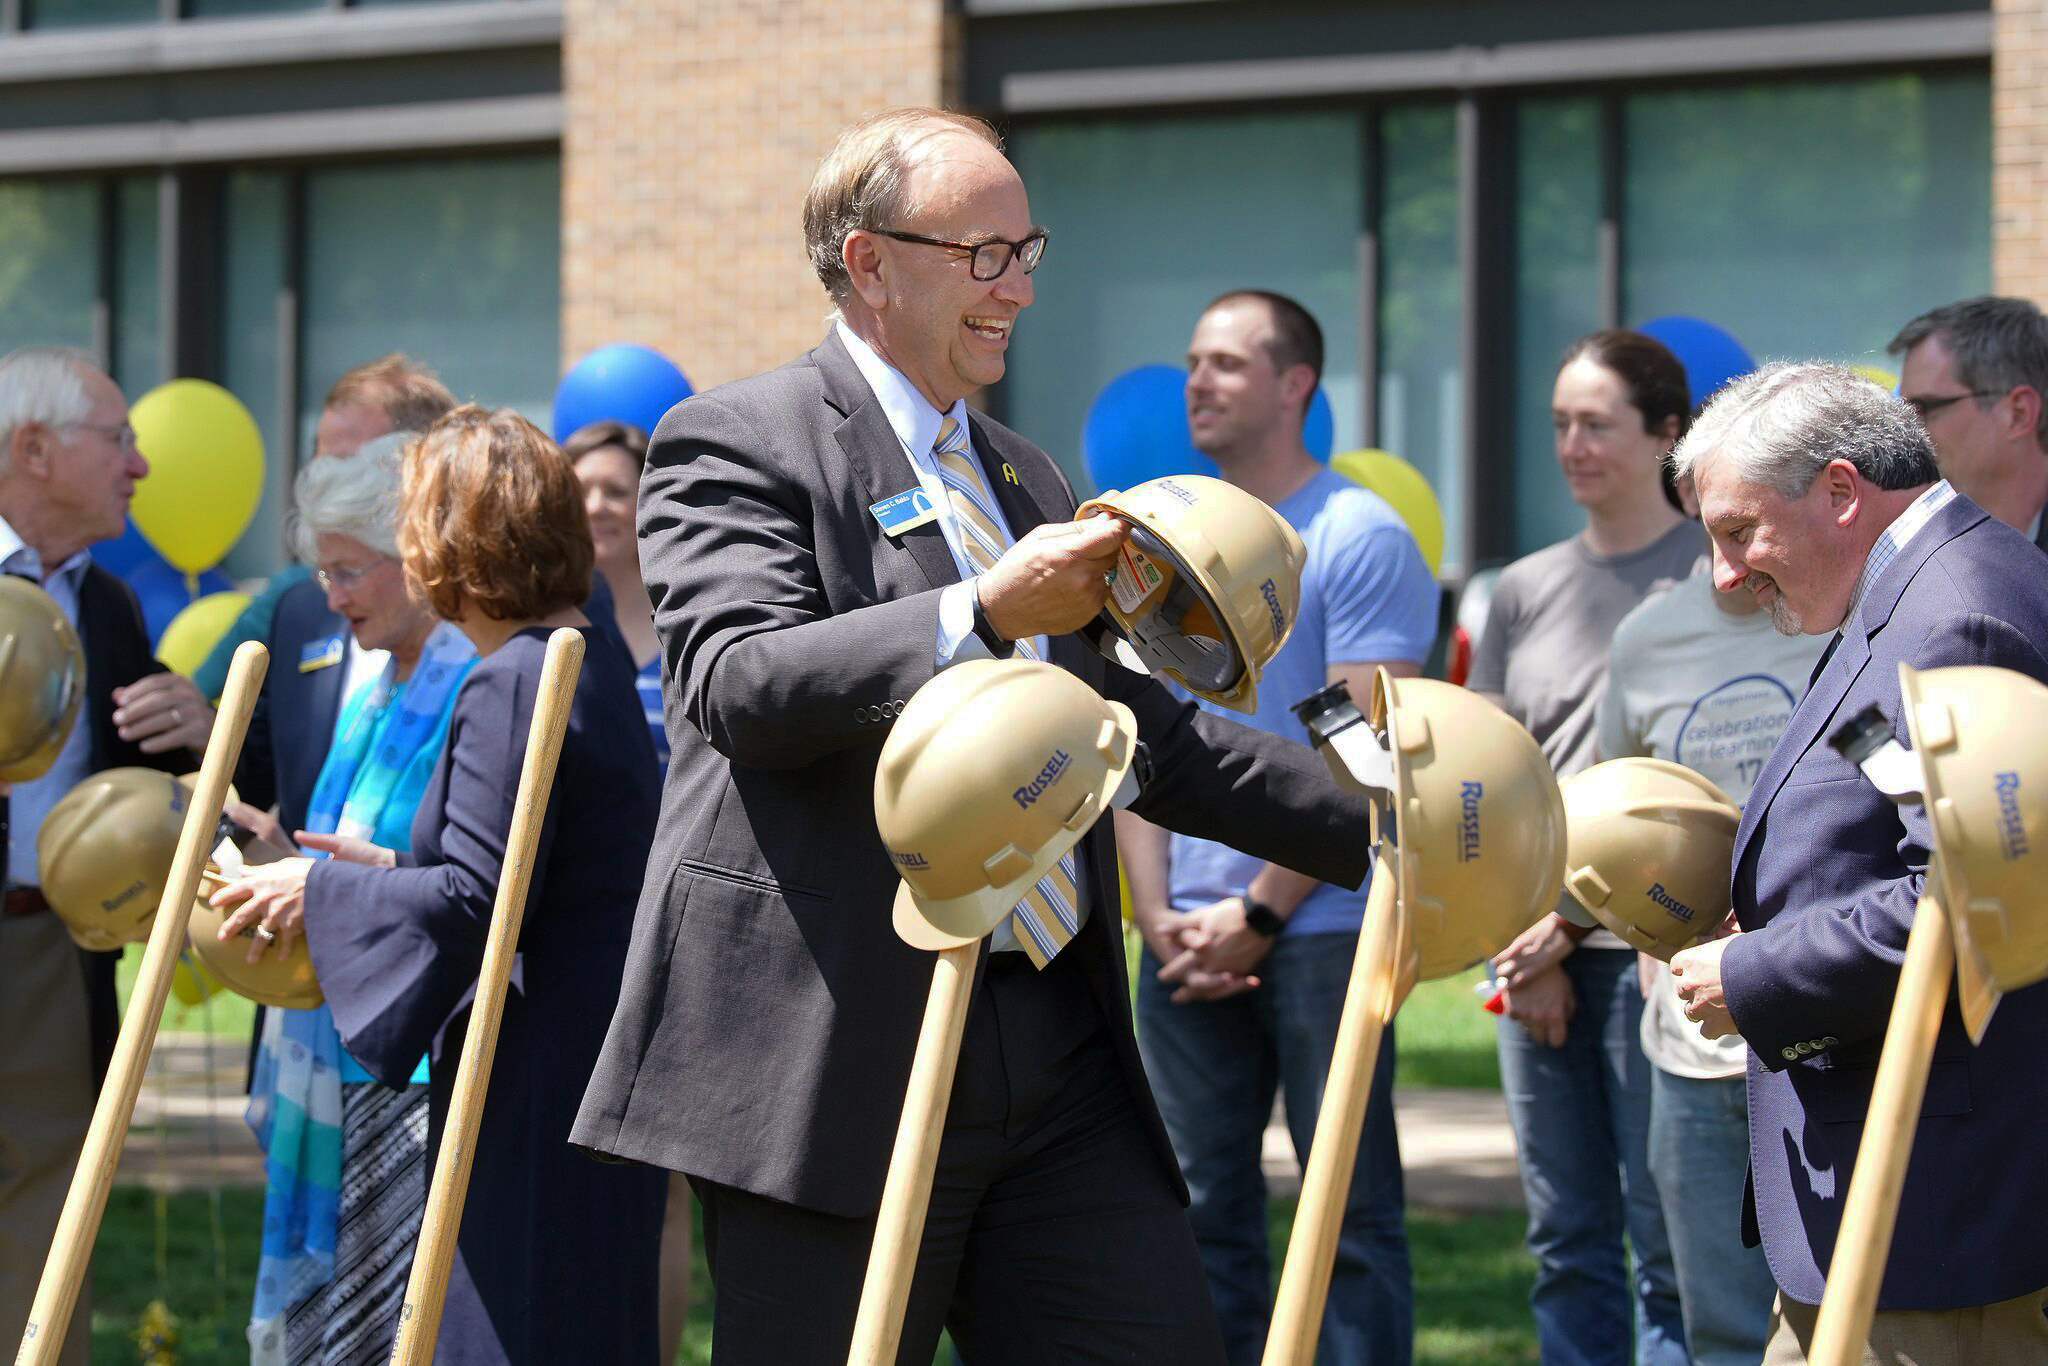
(263, 192)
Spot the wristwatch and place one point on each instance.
(1261, 917)
(985, 630)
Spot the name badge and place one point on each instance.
(904, 511)
(320, 654)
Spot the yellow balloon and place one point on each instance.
(1883, 379)
(194, 632)
(191, 983)
(205, 471)
(1405, 490)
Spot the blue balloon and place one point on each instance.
(623, 383)
(124, 552)
(163, 593)
(1137, 429)
(1710, 356)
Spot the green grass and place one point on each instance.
(1471, 1282)
(1444, 1038)
(224, 1014)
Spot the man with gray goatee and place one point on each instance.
(1822, 498)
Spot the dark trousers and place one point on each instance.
(1054, 1233)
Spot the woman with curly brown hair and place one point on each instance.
(556, 1260)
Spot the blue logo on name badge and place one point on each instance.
(904, 511)
(319, 654)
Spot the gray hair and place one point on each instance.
(43, 384)
(351, 495)
(1995, 345)
(1781, 425)
(860, 183)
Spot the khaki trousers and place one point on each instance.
(2009, 1333)
(46, 1101)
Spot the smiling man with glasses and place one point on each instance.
(1976, 372)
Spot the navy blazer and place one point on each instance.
(292, 727)
(556, 1260)
(1827, 873)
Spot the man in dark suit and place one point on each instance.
(818, 542)
(68, 466)
(1977, 374)
(1822, 498)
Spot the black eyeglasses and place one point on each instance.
(986, 260)
(1928, 406)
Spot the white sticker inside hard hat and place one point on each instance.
(1133, 579)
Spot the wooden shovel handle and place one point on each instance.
(1872, 1207)
(79, 1225)
(426, 1290)
(1369, 1002)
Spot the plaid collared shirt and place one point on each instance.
(1893, 539)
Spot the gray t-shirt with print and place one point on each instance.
(1548, 630)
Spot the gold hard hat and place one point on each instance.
(1207, 585)
(993, 771)
(105, 851)
(42, 680)
(1979, 735)
(1479, 825)
(1648, 850)
(272, 980)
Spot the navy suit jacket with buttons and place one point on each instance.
(1826, 876)
(765, 1029)
(292, 727)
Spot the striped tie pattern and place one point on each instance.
(1049, 914)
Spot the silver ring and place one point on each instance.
(267, 936)
(177, 717)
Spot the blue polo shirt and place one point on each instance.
(1366, 594)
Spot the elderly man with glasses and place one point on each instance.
(68, 466)
(817, 543)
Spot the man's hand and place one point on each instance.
(1173, 937)
(1696, 972)
(1052, 580)
(1222, 942)
(1542, 1005)
(1537, 949)
(162, 712)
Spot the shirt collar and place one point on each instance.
(18, 557)
(910, 414)
(1895, 538)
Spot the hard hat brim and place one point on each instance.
(938, 924)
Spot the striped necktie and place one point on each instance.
(1049, 914)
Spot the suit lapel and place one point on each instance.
(1026, 483)
(1833, 684)
(875, 454)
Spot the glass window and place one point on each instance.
(138, 297)
(49, 270)
(1557, 295)
(252, 257)
(211, 9)
(1809, 218)
(1142, 239)
(457, 263)
(80, 13)
(1421, 293)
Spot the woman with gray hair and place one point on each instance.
(341, 1212)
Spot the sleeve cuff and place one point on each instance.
(957, 641)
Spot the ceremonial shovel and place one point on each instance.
(419, 1318)
(57, 1292)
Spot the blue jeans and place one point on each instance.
(1581, 1115)
(1214, 1067)
(1699, 1154)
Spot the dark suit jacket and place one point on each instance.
(116, 654)
(292, 727)
(764, 1035)
(557, 1255)
(1827, 872)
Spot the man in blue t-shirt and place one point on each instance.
(1246, 963)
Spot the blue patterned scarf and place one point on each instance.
(384, 752)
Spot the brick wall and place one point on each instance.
(691, 132)
(2019, 148)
